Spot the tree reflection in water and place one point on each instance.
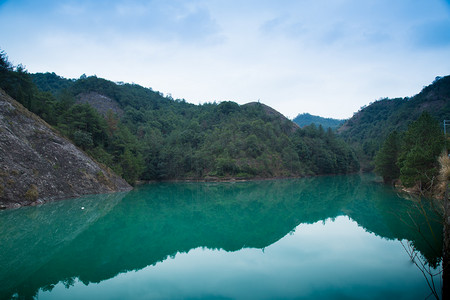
(58, 242)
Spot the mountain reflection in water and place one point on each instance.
(60, 241)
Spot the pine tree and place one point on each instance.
(386, 158)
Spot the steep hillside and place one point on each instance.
(370, 126)
(37, 164)
(306, 119)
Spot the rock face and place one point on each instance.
(100, 102)
(37, 164)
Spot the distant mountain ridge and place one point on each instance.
(307, 119)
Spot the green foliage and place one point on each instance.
(17, 83)
(5, 65)
(306, 119)
(412, 157)
(422, 144)
(386, 158)
(50, 82)
(83, 139)
(324, 153)
(131, 165)
(82, 118)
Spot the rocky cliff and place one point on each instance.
(37, 164)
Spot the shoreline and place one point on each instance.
(237, 179)
(211, 179)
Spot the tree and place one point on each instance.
(5, 65)
(82, 117)
(131, 165)
(422, 144)
(83, 139)
(111, 122)
(386, 158)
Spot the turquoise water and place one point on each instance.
(340, 237)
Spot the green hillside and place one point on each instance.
(369, 127)
(143, 135)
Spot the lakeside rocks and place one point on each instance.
(37, 164)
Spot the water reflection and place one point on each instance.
(59, 242)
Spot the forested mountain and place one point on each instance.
(368, 128)
(306, 119)
(143, 135)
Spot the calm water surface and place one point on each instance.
(341, 237)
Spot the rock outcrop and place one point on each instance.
(37, 164)
(100, 102)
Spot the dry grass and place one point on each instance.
(444, 174)
(32, 194)
(444, 161)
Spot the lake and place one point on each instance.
(331, 237)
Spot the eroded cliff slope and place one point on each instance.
(37, 164)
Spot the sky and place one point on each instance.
(326, 58)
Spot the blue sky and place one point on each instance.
(326, 58)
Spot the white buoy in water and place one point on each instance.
(82, 207)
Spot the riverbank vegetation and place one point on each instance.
(401, 139)
(412, 156)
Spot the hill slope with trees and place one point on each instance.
(155, 137)
(367, 130)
